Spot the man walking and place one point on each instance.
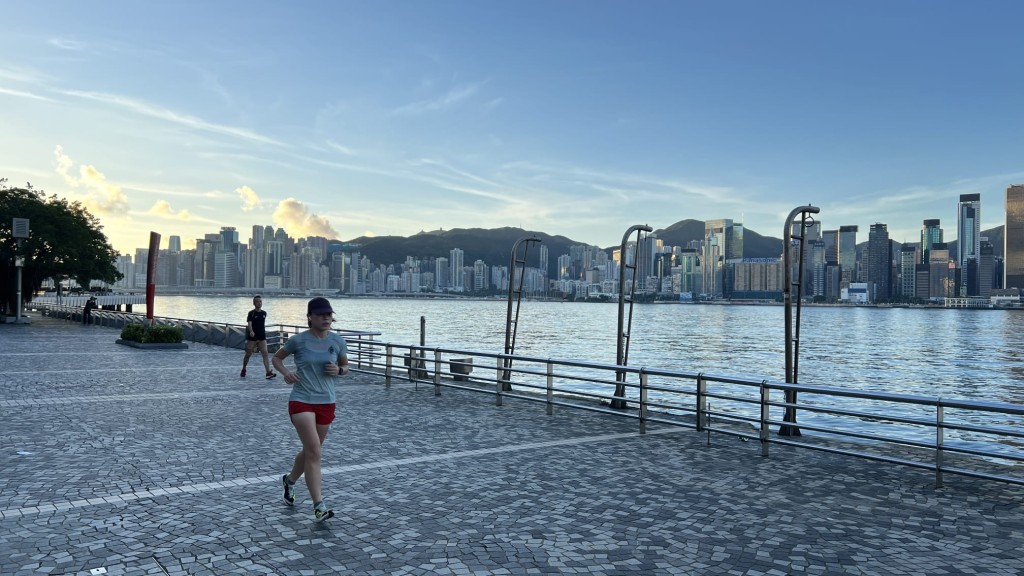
(256, 336)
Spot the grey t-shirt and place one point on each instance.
(311, 355)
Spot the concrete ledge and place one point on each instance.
(154, 345)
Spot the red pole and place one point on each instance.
(154, 248)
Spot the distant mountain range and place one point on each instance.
(494, 245)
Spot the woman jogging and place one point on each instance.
(321, 357)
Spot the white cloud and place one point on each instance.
(250, 201)
(296, 218)
(98, 195)
(453, 97)
(22, 94)
(171, 116)
(163, 209)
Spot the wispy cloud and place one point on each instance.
(339, 148)
(168, 115)
(69, 44)
(452, 98)
(23, 94)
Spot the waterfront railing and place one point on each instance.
(944, 435)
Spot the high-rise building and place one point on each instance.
(908, 275)
(458, 275)
(257, 239)
(646, 253)
(174, 244)
(986, 269)
(225, 273)
(940, 280)
(931, 233)
(1013, 238)
(968, 246)
(879, 268)
(723, 241)
(968, 227)
(847, 250)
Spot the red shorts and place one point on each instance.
(324, 412)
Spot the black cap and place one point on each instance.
(319, 306)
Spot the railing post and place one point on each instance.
(497, 390)
(939, 417)
(765, 391)
(702, 402)
(227, 330)
(437, 372)
(387, 366)
(551, 387)
(643, 401)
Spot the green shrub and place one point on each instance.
(164, 334)
(154, 334)
(133, 332)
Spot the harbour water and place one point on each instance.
(969, 354)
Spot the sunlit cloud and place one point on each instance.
(171, 116)
(250, 201)
(297, 219)
(98, 195)
(163, 209)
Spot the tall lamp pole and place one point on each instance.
(793, 332)
(19, 226)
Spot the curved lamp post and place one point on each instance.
(625, 324)
(512, 320)
(793, 338)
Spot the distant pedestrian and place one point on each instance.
(256, 336)
(321, 357)
(90, 305)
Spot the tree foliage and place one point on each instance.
(65, 241)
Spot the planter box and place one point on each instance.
(154, 345)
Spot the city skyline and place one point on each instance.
(577, 118)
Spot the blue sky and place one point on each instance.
(578, 118)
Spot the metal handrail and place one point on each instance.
(742, 407)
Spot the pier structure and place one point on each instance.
(125, 461)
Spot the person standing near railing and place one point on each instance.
(256, 336)
(321, 357)
(90, 305)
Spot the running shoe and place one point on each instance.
(242, 375)
(321, 513)
(270, 374)
(289, 491)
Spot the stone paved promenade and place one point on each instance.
(123, 461)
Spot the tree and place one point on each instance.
(65, 241)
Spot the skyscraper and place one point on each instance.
(908, 274)
(931, 233)
(458, 275)
(968, 246)
(879, 268)
(1013, 238)
(847, 250)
